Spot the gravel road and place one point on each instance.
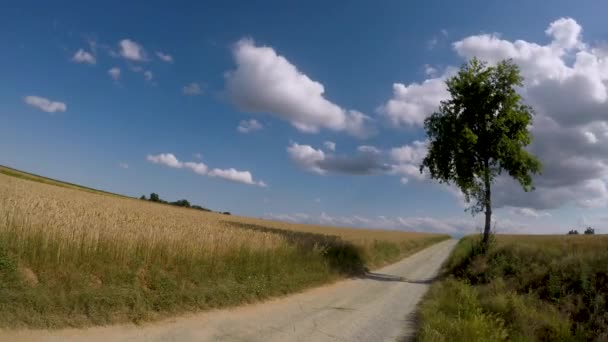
(377, 307)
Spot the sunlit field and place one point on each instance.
(527, 288)
(71, 258)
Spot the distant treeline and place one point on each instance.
(180, 203)
(588, 231)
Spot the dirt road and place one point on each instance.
(377, 307)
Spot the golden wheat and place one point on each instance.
(77, 219)
(70, 257)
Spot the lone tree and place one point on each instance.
(480, 132)
(589, 231)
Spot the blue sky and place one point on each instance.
(306, 73)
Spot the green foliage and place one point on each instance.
(481, 132)
(541, 288)
(154, 197)
(453, 312)
(181, 203)
(573, 232)
(589, 231)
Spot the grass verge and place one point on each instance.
(526, 288)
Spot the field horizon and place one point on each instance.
(72, 256)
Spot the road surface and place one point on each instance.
(377, 307)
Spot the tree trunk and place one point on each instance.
(488, 204)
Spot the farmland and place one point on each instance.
(70, 257)
(525, 288)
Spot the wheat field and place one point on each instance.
(71, 258)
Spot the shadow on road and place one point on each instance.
(341, 255)
(389, 277)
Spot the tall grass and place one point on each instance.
(73, 258)
(525, 288)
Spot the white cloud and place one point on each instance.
(123, 165)
(529, 212)
(566, 82)
(132, 50)
(330, 145)
(45, 104)
(368, 160)
(408, 159)
(266, 82)
(148, 75)
(246, 126)
(192, 89)
(416, 223)
(236, 176)
(231, 174)
(164, 57)
(566, 33)
(167, 159)
(413, 153)
(430, 70)
(413, 103)
(307, 157)
(114, 73)
(82, 56)
(368, 149)
(198, 168)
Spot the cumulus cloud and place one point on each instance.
(45, 104)
(231, 174)
(82, 56)
(412, 103)
(407, 160)
(566, 81)
(164, 57)
(114, 73)
(236, 176)
(167, 159)
(307, 157)
(246, 126)
(367, 160)
(192, 89)
(330, 145)
(266, 82)
(131, 50)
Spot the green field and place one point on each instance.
(526, 288)
(70, 257)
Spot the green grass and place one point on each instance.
(526, 288)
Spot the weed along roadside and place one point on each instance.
(72, 258)
(524, 288)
